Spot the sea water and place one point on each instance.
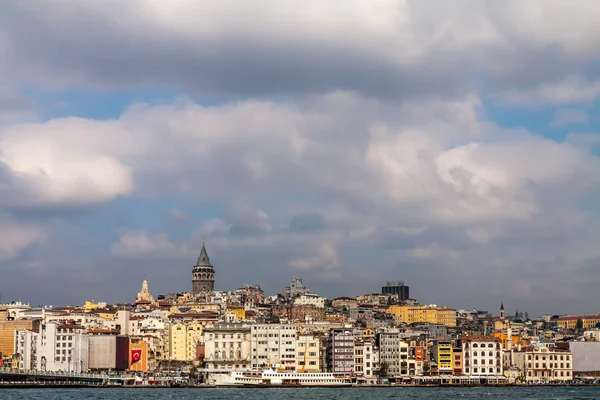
(478, 393)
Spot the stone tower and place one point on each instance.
(203, 274)
(502, 310)
(144, 295)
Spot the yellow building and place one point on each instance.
(570, 322)
(138, 356)
(240, 312)
(503, 339)
(183, 339)
(432, 314)
(442, 354)
(307, 354)
(7, 333)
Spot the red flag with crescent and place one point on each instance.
(136, 355)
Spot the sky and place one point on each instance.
(454, 145)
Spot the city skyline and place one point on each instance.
(454, 146)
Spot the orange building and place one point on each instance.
(138, 355)
(419, 354)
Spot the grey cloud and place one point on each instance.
(307, 223)
(108, 45)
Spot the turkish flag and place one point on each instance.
(136, 356)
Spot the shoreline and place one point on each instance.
(29, 385)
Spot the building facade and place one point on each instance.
(273, 344)
(296, 288)
(307, 353)
(482, 356)
(544, 363)
(396, 288)
(227, 347)
(340, 351)
(183, 339)
(56, 347)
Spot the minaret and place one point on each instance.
(502, 310)
(203, 274)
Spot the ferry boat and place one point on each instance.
(270, 377)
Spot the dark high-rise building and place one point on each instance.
(203, 274)
(396, 288)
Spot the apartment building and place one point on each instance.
(307, 353)
(56, 347)
(183, 339)
(273, 344)
(340, 351)
(366, 358)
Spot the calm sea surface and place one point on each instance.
(562, 393)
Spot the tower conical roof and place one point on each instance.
(502, 306)
(203, 259)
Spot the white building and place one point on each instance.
(310, 300)
(545, 363)
(273, 344)
(227, 347)
(482, 356)
(366, 358)
(57, 347)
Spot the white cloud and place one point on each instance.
(383, 47)
(139, 243)
(324, 257)
(64, 161)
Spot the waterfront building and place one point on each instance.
(183, 339)
(366, 358)
(7, 333)
(56, 347)
(340, 351)
(273, 344)
(307, 353)
(483, 356)
(389, 350)
(108, 352)
(138, 355)
(442, 355)
(544, 362)
(227, 346)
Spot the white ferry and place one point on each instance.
(270, 377)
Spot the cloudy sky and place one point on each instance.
(454, 145)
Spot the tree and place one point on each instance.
(426, 367)
(579, 324)
(382, 371)
(598, 325)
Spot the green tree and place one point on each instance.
(426, 367)
(579, 324)
(383, 370)
(598, 325)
